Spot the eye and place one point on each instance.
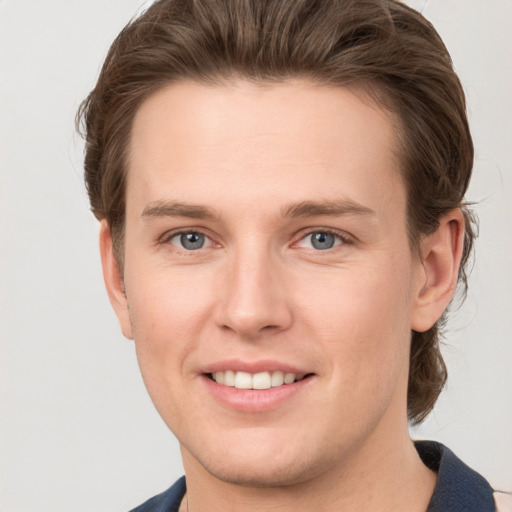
(320, 240)
(190, 241)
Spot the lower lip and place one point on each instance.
(255, 400)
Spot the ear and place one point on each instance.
(441, 253)
(114, 280)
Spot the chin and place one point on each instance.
(263, 465)
(263, 474)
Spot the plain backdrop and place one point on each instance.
(78, 432)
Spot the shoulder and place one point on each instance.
(167, 501)
(459, 488)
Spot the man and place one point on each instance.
(280, 186)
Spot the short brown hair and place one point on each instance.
(380, 47)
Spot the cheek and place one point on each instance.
(164, 302)
(362, 318)
(167, 312)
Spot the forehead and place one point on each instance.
(294, 141)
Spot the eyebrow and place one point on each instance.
(302, 209)
(157, 209)
(331, 208)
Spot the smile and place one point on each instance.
(261, 380)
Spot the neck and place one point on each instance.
(377, 477)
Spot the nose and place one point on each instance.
(253, 296)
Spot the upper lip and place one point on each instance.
(264, 365)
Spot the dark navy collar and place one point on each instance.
(168, 501)
(458, 488)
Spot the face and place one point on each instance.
(269, 281)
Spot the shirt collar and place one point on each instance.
(458, 488)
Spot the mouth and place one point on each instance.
(258, 381)
(257, 386)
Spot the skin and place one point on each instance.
(258, 290)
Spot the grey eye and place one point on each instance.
(191, 241)
(322, 241)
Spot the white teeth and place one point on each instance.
(289, 378)
(262, 380)
(229, 378)
(277, 379)
(243, 380)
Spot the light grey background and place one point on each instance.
(78, 433)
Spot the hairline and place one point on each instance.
(371, 93)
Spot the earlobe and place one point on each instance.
(441, 254)
(114, 280)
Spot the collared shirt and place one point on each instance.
(458, 488)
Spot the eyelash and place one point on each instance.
(344, 239)
(167, 237)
